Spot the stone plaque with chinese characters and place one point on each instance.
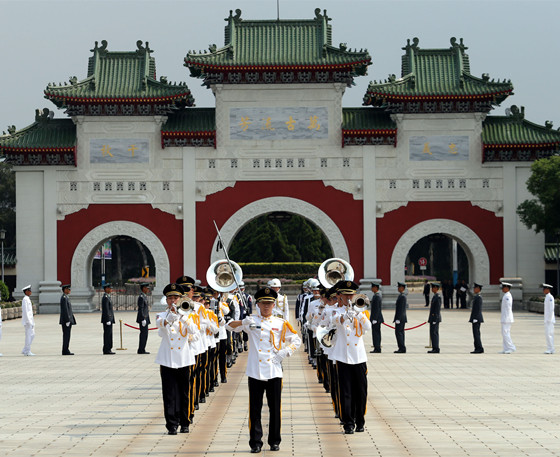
(297, 123)
(119, 150)
(439, 147)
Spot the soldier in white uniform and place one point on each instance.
(175, 358)
(507, 319)
(281, 308)
(27, 320)
(271, 339)
(351, 359)
(549, 318)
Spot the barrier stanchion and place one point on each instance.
(121, 348)
(429, 346)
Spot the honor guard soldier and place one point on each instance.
(476, 318)
(376, 318)
(175, 358)
(27, 320)
(67, 319)
(400, 318)
(435, 318)
(143, 317)
(271, 339)
(281, 308)
(107, 319)
(507, 319)
(351, 358)
(549, 318)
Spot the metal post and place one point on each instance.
(2, 236)
(121, 348)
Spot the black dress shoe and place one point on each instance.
(477, 352)
(274, 447)
(400, 352)
(349, 431)
(434, 351)
(359, 429)
(172, 431)
(109, 353)
(184, 429)
(216, 384)
(255, 450)
(67, 353)
(375, 351)
(145, 352)
(224, 381)
(202, 400)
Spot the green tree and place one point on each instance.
(543, 212)
(8, 203)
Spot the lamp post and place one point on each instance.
(2, 237)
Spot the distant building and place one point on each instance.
(135, 157)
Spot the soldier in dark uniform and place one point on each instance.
(435, 318)
(400, 318)
(376, 318)
(476, 319)
(107, 319)
(426, 292)
(143, 317)
(67, 319)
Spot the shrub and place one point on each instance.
(4, 292)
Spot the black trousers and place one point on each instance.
(142, 339)
(222, 349)
(434, 335)
(476, 335)
(107, 338)
(399, 334)
(333, 381)
(427, 298)
(273, 389)
(66, 331)
(353, 393)
(376, 336)
(175, 390)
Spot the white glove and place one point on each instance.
(171, 317)
(475, 321)
(221, 320)
(397, 322)
(351, 314)
(373, 322)
(279, 356)
(109, 323)
(67, 324)
(434, 323)
(144, 323)
(193, 337)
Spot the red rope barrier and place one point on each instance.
(138, 328)
(411, 328)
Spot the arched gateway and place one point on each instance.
(291, 205)
(135, 157)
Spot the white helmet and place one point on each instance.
(274, 283)
(313, 284)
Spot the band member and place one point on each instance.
(67, 319)
(351, 359)
(248, 300)
(27, 320)
(310, 327)
(175, 358)
(435, 318)
(400, 318)
(143, 317)
(281, 308)
(267, 335)
(476, 319)
(376, 318)
(549, 318)
(507, 319)
(107, 319)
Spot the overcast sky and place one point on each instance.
(50, 40)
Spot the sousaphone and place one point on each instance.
(220, 276)
(333, 270)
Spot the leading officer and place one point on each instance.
(271, 339)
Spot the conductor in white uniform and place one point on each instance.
(271, 339)
(507, 319)
(27, 320)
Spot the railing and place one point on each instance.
(125, 299)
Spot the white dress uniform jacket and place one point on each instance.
(27, 312)
(269, 335)
(281, 308)
(349, 347)
(174, 350)
(549, 308)
(507, 304)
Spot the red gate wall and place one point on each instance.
(340, 206)
(485, 224)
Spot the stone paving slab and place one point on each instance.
(448, 404)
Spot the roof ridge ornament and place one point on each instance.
(141, 49)
(103, 47)
(11, 130)
(414, 44)
(459, 45)
(235, 18)
(43, 116)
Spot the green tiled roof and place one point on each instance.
(45, 134)
(191, 120)
(370, 119)
(277, 44)
(437, 74)
(119, 77)
(513, 130)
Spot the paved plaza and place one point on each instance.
(449, 404)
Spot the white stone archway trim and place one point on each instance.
(291, 205)
(477, 255)
(82, 290)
